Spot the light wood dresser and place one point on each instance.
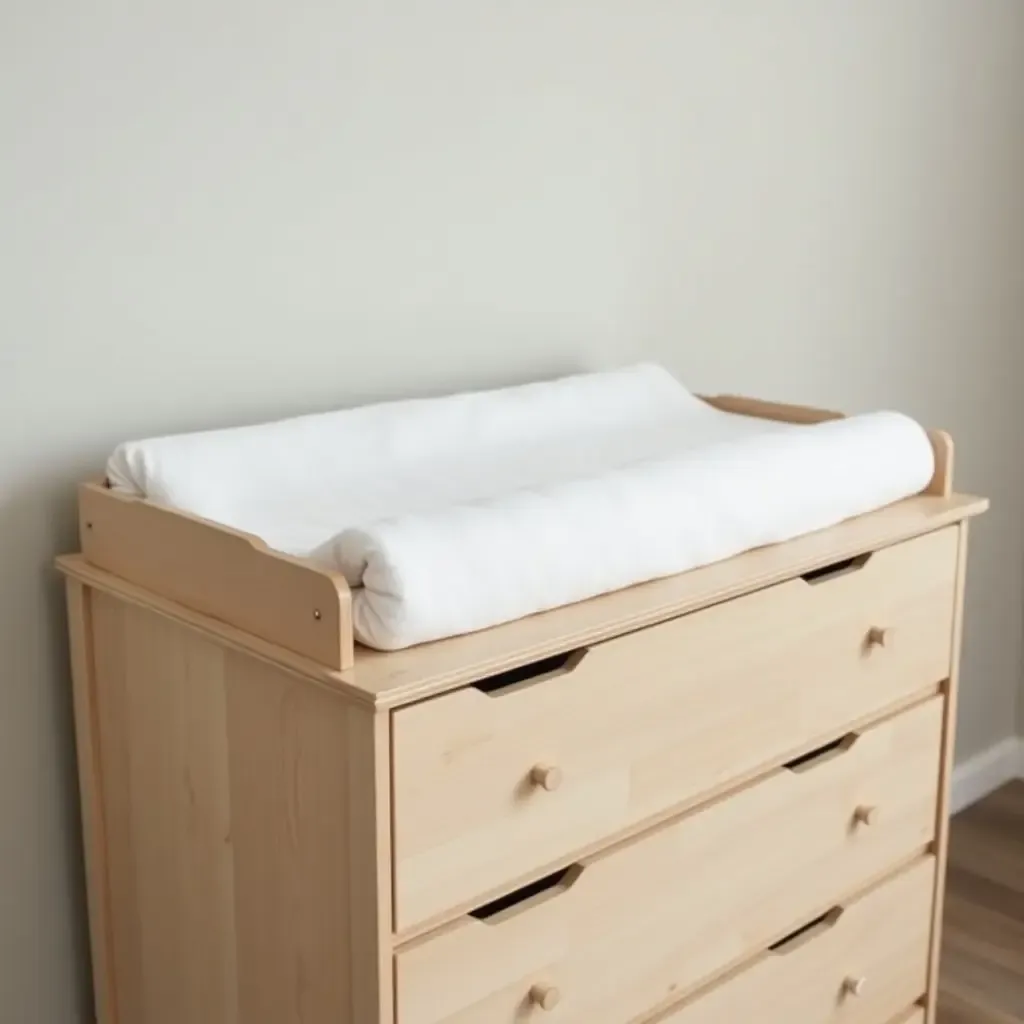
(720, 797)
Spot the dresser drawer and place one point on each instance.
(629, 930)
(493, 787)
(861, 966)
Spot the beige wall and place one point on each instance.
(213, 212)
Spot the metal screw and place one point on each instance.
(316, 614)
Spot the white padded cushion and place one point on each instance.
(453, 514)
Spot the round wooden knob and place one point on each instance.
(545, 776)
(865, 815)
(877, 636)
(547, 997)
(855, 986)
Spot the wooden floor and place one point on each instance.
(982, 979)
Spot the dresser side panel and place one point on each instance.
(241, 868)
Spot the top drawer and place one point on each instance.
(492, 787)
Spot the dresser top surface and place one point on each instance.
(398, 677)
(389, 679)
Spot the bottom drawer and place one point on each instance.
(862, 964)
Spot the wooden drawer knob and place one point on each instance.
(855, 986)
(547, 777)
(547, 997)
(865, 815)
(877, 636)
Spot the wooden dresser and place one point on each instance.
(716, 798)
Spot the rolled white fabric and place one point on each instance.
(466, 567)
(453, 514)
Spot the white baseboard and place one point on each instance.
(986, 772)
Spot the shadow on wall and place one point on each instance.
(40, 516)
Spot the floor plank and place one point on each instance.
(982, 972)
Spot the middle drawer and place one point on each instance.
(638, 926)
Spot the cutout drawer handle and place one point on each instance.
(807, 933)
(854, 987)
(877, 636)
(520, 901)
(822, 755)
(836, 569)
(866, 815)
(546, 777)
(547, 997)
(515, 680)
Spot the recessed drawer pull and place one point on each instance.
(516, 679)
(514, 903)
(836, 569)
(822, 755)
(807, 933)
(547, 997)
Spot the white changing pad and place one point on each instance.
(453, 514)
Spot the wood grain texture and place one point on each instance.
(952, 690)
(625, 937)
(942, 446)
(778, 411)
(76, 567)
(223, 573)
(881, 938)
(109, 691)
(370, 870)
(982, 966)
(287, 759)
(241, 833)
(91, 795)
(637, 730)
